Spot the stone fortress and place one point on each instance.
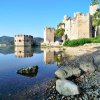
(80, 26)
(23, 40)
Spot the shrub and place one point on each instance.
(73, 43)
(59, 32)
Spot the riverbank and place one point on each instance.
(88, 81)
(83, 69)
(80, 67)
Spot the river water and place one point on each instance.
(13, 59)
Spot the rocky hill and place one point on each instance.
(7, 40)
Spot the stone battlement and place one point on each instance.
(20, 35)
(23, 40)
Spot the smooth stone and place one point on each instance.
(97, 62)
(66, 87)
(87, 67)
(87, 64)
(66, 72)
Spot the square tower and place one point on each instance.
(49, 34)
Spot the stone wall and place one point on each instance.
(84, 26)
(79, 27)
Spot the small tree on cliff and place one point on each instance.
(96, 20)
(95, 2)
(59, 32)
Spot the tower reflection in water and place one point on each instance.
(48, 56)
(22, 51)
(53, 55)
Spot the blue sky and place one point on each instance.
(31, 16)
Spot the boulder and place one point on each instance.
(87, 64)
(75, 68)
(97, 62)
(29, 71)
(66, 87)
(68, 71)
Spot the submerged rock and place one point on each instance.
(66, 87)
(29, 71)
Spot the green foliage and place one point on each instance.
(73, 43)
(60, 24)
(57, 59)
(96, 18)
(95, 2)
(59, 32)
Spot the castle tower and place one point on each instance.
(49, 34)
(23, 40)
(94, 6)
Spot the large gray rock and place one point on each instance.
(68, 71)
(82, 64)
(97, 62)
(28, 71)
(66, 87)
(87, 64)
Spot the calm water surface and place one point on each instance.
(13, 59)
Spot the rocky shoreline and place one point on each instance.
(83, 70)
(80, 73)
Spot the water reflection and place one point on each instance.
(48, 56)
(53, 55)
(22, 52)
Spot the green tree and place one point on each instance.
(96, 20)
(95, 2)
(59, 32)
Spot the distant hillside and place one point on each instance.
(10, 40)
(38, 40)
(7, 40)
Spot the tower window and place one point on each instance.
(19, 40)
